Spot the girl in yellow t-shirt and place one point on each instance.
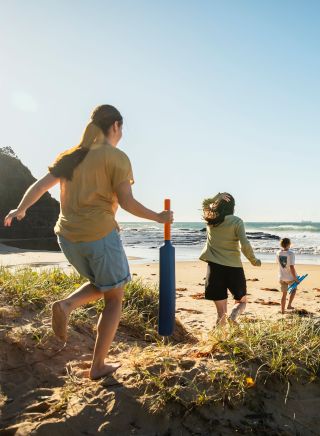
(94, 177)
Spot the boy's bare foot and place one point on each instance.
(59, 321)
(290, 307)
(282, 312)
(106, 370)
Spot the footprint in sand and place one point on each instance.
(187, 364)
(40, 407)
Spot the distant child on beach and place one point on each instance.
(287, 272)
(225, 235)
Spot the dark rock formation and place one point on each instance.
(256, 235)
(15, 178)
(262, 235)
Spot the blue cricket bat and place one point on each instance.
(294, 285)
(167, 282)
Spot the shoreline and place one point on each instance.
(13, 256)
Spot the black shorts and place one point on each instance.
(220, 278)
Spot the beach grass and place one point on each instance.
(27, 288)
(223, 368)
(228, 364)
(31, 289)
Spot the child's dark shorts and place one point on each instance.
(220, 278)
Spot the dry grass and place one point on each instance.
(223, 368)
(285, 348)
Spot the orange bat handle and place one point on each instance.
(167, 226)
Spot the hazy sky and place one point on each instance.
(216, 95)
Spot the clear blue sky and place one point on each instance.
(216, 95)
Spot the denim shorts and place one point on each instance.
(103, 262)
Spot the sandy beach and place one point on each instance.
(18, 257)
(263, 291)
(196, 312)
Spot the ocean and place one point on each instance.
(142, 240)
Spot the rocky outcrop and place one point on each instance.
(262, 236)
(15, 178)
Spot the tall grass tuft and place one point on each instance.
(286, 348)
(38, 290)
(28, 288)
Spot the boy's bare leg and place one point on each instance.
(107, 327)
(283, 301)
(238, 308)
(61, 309)
(291, 298)
(221, 306)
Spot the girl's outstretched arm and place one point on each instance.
(131, 205)
(31, 196)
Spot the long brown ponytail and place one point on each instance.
(102, 118)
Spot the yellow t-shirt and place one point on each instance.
(88, 202)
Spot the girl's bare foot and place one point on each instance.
(59, 320)
(290, 307)
(104, 371)
(82, 369)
